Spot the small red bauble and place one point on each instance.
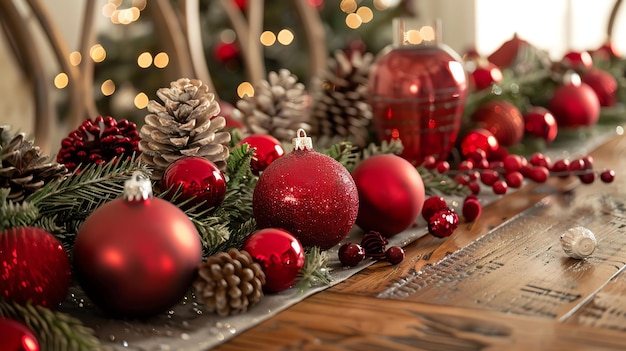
(391, 194)
(137, 256)
(502, 119)
(575, 104)
(267, 150)
(443, 223)
(308, 194)
(279, 253)
(395, 254)
(471, 209)
(225, 52)
(479, 139)
(433, 205)
(540, 122)
(485, 75)
(578, 60)
(198, 180)
(351, 254)
(603, 84)
(15, 336)
(33, 267)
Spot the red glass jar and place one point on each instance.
(417, 92)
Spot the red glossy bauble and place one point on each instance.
(540, 122)
(225, 52)
(308, 194)
(136, 256)
(479, 139)
(391, 194)
(485, 75)
(502, 119)
(267, 150)
(575, 104)
(15, 336)
(198, 179)
(226, 110)
(580, 60)
(603, 84)
(280, 255)
(33, 267)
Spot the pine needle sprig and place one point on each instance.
(54, 330)
(238, 165)
(393, 146)
(14, 214)
(237, 237)
(437, 184)
(315, 271)
(345, 153)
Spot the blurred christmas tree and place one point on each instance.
(134, 65)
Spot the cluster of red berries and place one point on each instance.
(511, 170)
(374, 246)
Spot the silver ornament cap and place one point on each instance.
(137, 187)
(301, 141)
(578, 242)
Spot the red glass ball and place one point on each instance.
(575, 105)
(391, 194)
(578, 60)
(137, 258)
(279, 253)
(502, 119)
(540, 122)
(267, 150)
(33, 267)
(603, 84)
(433, 205)
(15, 336)
(479, 139)
(443, 223)
(486, 75)
(198, 179)
(225, 52)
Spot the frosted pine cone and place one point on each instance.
(229, 283)
(22, 169)
(279, 107)
(186, 124)
(340, 110)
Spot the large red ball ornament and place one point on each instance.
(391, 194)
(15, 336)
(307, 193)
(198, 179)
(33, 267)
(502, 119)
(540, 123)
(575, 104)
(279, 253)
(267, 150)
(603, 84)
(137, 255)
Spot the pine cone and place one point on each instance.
(279, 107)
(99, 141)
(229, 283)
(340, 109)
(22, 169)
(186, 124)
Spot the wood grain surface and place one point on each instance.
(502, 283)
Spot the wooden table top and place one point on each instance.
(501, 283)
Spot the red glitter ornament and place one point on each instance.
(443, 223)
(308, 194)
(137, 255)
(471, 209)
(391, 194)
(502, 119)
(267, 150)
(540, 123)
(197, 179)
(279, 253)
(99, 141)
(575, 104)
(15, 336)
(33, 267)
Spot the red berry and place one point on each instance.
(539, 174)
(561, 167)
(500, 187)
(433, 205)
(395, 254)
(512, 163)
(576, 165)
(587, 162)
(587, 178)
(514, 179)
(482, 164)
(461, 179)
(474, 175)
(539, 159)
(443, 223)
(443, 166)
(466, 165)
(607, 176)
(471, 210)
(350, 254)
(489, 176)
(429, 162)
(477, 155)
(496, 164)
(474, 187)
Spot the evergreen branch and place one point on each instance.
(14, 214)
(437, 184)
(238, 166)
(315, 270)
(345, 153)
(237, 237)
(54, 330)
(393, 146)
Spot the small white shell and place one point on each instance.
(578, 242)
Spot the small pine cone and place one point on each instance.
(186, 124)
(99, 141)
(22, 169)
(279, 107)
(374, 245)
(340, 110)
(229, 283)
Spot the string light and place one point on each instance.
(61, 80)
(245, 89)
(161, 60)
(348, 6)
(353, 21)
(228, 36)
(75, 58)
(141, 100)
(427, 33)
(126, 15)
(268, 38)
(285, 37)
(97, 53)
(107, 88)
(144, 60)
(365, 13)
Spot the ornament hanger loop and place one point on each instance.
(301, 141)
(138, 187)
